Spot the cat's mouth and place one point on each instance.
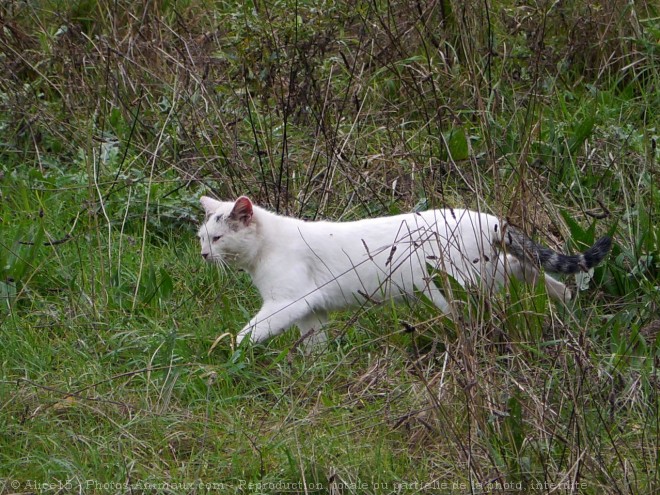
(220, 259)
(215, 258)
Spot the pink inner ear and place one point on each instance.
(242, 210)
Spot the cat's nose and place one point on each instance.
(204, 255)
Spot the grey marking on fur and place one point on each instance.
(522, 247)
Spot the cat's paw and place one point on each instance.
(245, 334)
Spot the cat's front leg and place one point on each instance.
(272, 319)
(311, 330)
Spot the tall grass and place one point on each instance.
(116, 116)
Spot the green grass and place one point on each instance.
(113, 123)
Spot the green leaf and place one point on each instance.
(581, 132)
(457, 144)
(166, 284)
(578, 234)
(7, 294)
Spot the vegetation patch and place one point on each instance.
(116, 116)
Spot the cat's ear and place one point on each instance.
(209, 204)
(242, 210)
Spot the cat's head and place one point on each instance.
(228, 234)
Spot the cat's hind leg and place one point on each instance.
(526, 271)
(438, 298)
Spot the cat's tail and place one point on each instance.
(522, 247)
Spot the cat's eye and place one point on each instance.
(216, 238)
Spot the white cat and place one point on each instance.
(303, 270)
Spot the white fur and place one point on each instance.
(303, 270)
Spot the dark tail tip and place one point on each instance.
(597, 252)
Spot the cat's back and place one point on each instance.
(438, 219)
(327, 238)
(381, 231)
